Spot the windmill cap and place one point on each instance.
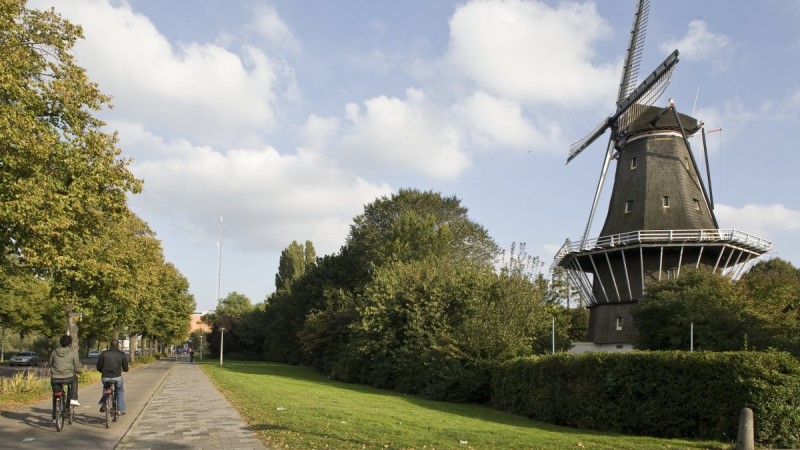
(665, 121)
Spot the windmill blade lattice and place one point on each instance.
(651, 90)
(632, 107)
(630, 72)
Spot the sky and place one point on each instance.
(285, 118)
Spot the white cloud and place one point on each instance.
(268, 197)
(201, 91)
(268, 24)
(761, 220)
(700, 44)
(318, 133)
(528, 51)
(493, 122)
(411, 134)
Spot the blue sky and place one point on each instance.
(287, 117)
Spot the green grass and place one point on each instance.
(297, 408)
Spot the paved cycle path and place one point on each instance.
(171, 404)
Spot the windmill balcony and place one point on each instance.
(657, 237)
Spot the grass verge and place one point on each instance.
(297, 408)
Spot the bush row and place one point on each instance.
(662, 394)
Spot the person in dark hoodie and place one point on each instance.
(112, 363)
(64, 369)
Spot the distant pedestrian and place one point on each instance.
(191, 355)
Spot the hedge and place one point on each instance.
(663, 394)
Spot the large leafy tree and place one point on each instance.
(411, 225)
(711, 304)
(229, 313)
(773, 299)
(61, 175)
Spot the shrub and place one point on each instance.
(27, 381)
(662, 394)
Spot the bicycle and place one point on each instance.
(110, 402)
(62, 407)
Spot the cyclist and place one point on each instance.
(112, 363)
(64, 367)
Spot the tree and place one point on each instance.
(293, 263)
(772, 290)
(24, 301)
(228, 314)
(61, 175)
(412, 225)
(712, 302)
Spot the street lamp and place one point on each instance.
(221, 342)
(202, 329)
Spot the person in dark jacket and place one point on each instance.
(64, 369)
(112, 363)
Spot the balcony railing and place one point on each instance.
(677, 237)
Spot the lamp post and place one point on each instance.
(202, 328)
(221, 342)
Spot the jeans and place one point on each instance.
(120, 392)
(73, 386)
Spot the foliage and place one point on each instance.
(772, 299)
(27, 381)
(406, 337)
(24, 300)
(225, 321)
(63, 199)
(411, 225)
(413, 302)
(294, 261)
(760, 311)
(61, 174)
(712, 302)
(667, 394)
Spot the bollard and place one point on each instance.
(745, 439)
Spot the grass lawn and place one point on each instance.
(297, 408)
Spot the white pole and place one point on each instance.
(554, 334)
(691, 337)
(219, 260)
(221, 342)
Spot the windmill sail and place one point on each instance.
(630, 72)
(631, 107)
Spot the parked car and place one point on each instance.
(24, 359)
(94, 354)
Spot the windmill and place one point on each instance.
(660, 217)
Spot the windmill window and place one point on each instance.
(665, 201)
(633, 163)
(628, 206)
(619, 323)
(696, 204)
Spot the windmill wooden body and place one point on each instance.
(660, 217)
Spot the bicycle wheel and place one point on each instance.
(114, 412)
(71, 411)
(107, 404)
(59, 413)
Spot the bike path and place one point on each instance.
(188, 412)
(31, 427)
(171, 404)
